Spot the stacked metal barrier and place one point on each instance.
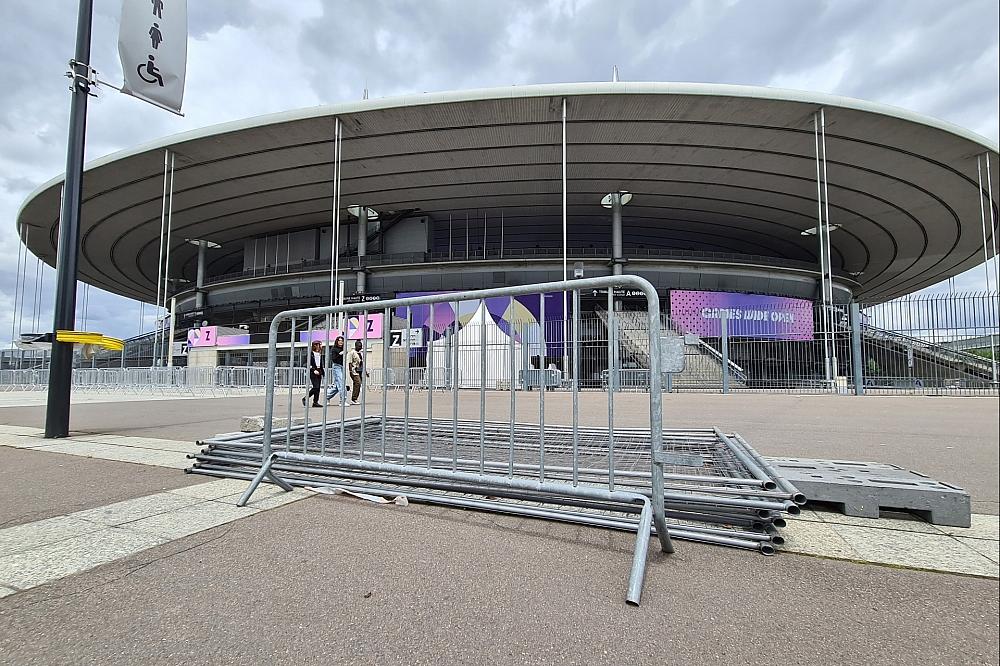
(713, 487)
(717, 488)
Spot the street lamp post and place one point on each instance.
(64, 316)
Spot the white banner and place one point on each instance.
(152, 45)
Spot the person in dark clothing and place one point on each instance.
(316, 373)
(337, 365)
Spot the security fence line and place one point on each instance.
(155, 381)
(939, 344)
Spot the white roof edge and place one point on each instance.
(536, 90)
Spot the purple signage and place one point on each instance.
(749, 315)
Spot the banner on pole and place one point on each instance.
(152, 45)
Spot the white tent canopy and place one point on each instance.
(481, 334)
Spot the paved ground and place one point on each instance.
(950, 439)
(336, 580)
(35, 485)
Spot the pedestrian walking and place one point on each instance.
(337, 366)
(356, 366)
(316, 373)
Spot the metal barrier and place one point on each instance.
(343, 444)
(940, 344)
(156, 381)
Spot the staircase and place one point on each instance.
(702, 362)
(963, 365)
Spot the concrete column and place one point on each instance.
(362, 248)
(616, 234)
(857, 360)
(199, 295)
(724, 325)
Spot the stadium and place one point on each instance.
(720, 196)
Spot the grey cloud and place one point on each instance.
(935, 58)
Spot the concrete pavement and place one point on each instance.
(951, 439)
(336, 580)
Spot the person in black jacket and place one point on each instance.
(316, 372)
(337, 365)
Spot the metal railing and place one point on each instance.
(404, 448)
(942, 344)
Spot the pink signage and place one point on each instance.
(208, 336)
(203, 336)
(358, 327)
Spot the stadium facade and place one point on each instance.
(698, 188)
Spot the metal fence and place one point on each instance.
(416, 449)
(944, 344)
(474, 427)
(156, 381)
(940, 344)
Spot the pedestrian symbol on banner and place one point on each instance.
(155, 36)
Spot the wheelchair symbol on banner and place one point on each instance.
(149, 68)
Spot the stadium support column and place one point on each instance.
(615, 201)
(565, 249)
(68, 246)
(986, 256)
(821, 236)
(199, 294)
(362, 248)
(616, 233)
(834, 369)
(857, 362)
(202, 244)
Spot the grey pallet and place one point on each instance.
(862, 488)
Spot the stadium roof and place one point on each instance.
(719, 167)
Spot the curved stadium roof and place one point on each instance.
(712, 167)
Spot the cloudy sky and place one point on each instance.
(251, 57)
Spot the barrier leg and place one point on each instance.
(639, 557)
(265, 470)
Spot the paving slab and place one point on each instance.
(268, 497)
(988, 549)
(910, 549)
(188, 520)
(122, 453)
(210, 490)
(817, 538)
(37, 484)
(32, 535)
(132, 510)
(983, 527)
(53, 561)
